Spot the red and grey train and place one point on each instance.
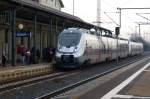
(77, 46)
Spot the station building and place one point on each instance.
(33, 23)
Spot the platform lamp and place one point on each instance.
(20, 27)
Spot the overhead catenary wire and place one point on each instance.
(111, 19)
(139, 14)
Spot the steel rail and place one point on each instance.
(69, 87)
(10, 86)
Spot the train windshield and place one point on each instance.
(69, 39)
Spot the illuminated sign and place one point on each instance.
(23, 34)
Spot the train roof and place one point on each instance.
(76, 29)
(94, 33)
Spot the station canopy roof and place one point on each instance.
(27, 9)
(49, 10)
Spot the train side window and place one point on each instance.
(103, 32)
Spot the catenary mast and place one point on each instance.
(98, 12)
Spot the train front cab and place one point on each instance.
(70, 48)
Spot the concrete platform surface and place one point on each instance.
(140, 86)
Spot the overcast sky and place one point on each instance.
(87, 9)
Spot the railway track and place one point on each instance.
(57, 79)
(12, 85)
(71, 86)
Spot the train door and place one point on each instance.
(103, 49)
(107, 49)
(110, 40)
(87, 49)
(99, 51)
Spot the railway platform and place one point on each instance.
(132, 82)
(138, 88)
(19, 72)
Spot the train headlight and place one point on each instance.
(75, 49)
